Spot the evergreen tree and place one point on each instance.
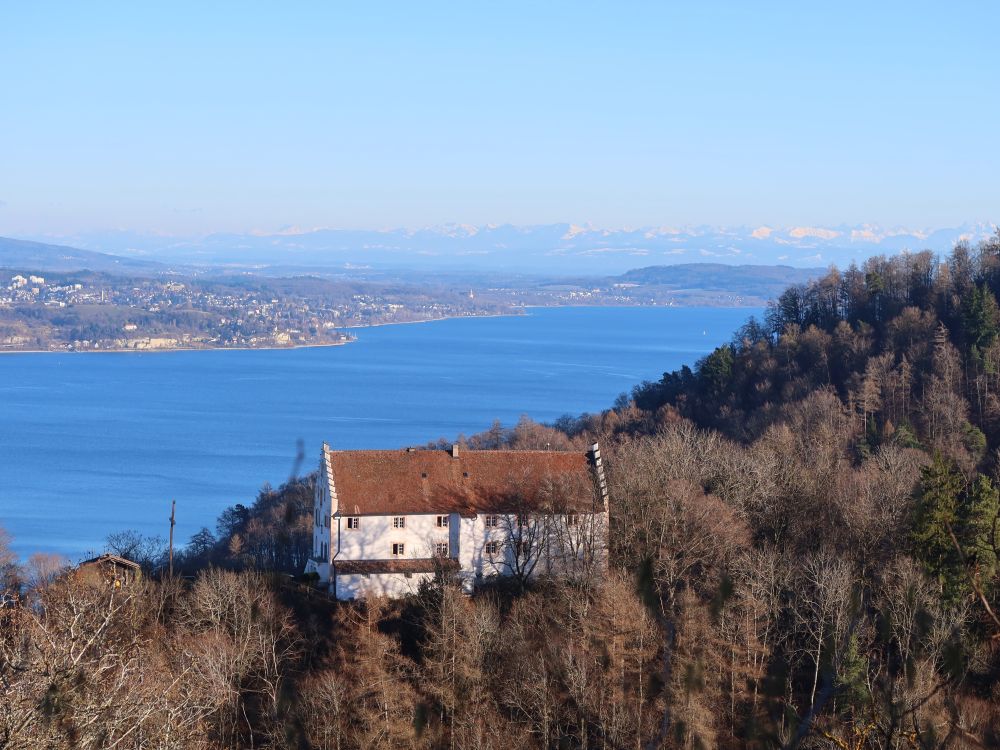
(852, 679)
(980, 512)
(980, 319)
(937, 511)
(716, 370)
(948, 514)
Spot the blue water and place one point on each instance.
(94, 443)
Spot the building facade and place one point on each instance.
(386, 521)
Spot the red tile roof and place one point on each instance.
(404, 565)
(435, 481)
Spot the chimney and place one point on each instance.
(454, 450)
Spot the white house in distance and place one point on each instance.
(386, 520)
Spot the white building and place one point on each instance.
(385, 521)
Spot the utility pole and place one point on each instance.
(173, 506)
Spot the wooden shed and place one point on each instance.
(114, 570)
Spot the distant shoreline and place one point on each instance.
(517, 312)
(444, 317)
(170, 350)
(166, 350)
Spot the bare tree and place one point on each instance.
(325, 708)
(524, 535)
(461, 640)
(822, 606)
(81, 669)
(239, 642)
(43, 568)
(148, 551)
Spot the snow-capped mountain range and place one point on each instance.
(549, 248)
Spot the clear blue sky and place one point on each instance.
(195, 117)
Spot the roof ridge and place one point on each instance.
(445, 451)
(386, 481)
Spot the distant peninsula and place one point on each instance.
(58, 298)
(90, 311)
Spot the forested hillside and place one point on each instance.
(803, 554)
(906, 343)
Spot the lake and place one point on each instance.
(95, 443)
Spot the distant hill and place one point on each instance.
(539, 249)
(38, 256)
(747, 280)
(686, 283)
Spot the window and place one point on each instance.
(397, 549)
(524, 548)
(441, 549)
(522, 519)
(407, 575)
(353, 522)
(326, 521)
(492, 548)
(491, 521)
(399, 522)
(442, 522)
(572, 519)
